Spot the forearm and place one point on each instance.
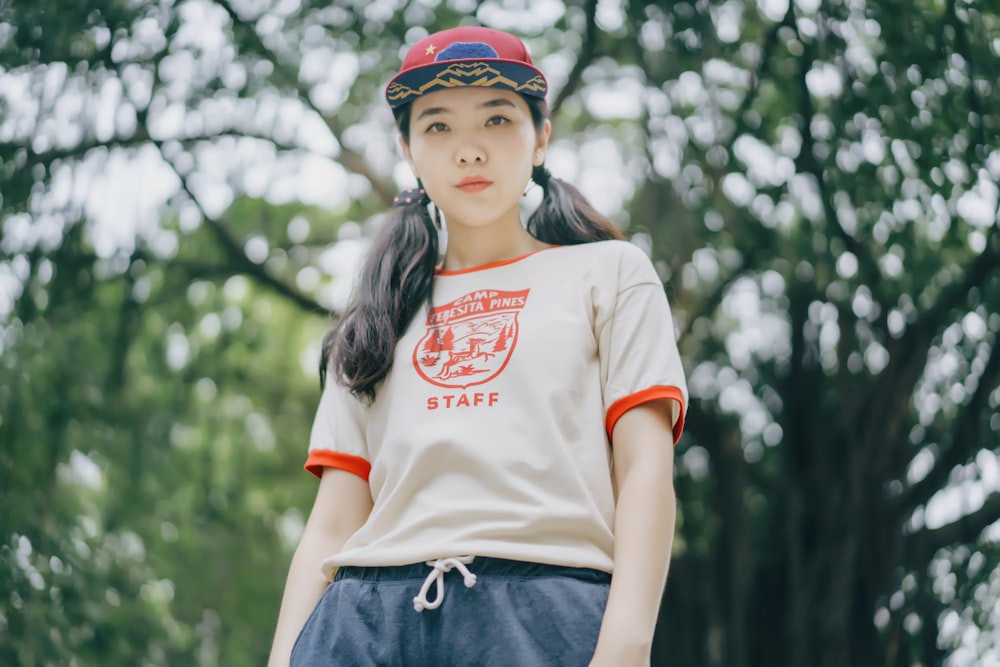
(644, 529)
(342, 504)
(303, 589)
(645, 514)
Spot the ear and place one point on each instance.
(542, 143)
(409, 158)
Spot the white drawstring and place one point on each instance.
(436, 576)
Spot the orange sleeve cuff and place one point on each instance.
(626, 403)
(324, 458)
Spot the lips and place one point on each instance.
(472, 184)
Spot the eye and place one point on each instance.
(497, 120)
(434, 128)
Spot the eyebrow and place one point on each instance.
(437, 111)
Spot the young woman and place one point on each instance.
(495, 436)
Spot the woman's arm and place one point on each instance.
(343, 503)
(644, 530)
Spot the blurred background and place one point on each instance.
(187, 187)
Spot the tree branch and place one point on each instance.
(964, 430)
(923, 543)
(588, 51)
(975, 104)
(806, 162)
(234, 250)
(908, 355)
(770, 43)
(137, 139)
(243, 264)
(349, 159)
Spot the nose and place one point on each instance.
(470, 154)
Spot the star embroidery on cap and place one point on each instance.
(430, 50)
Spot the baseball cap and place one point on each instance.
(465, 56)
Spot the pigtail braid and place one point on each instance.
(565, 217)
(395, 283)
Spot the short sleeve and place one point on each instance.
(636, 342)
(338, 433)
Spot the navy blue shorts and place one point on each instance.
(516, 613)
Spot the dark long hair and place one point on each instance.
(398, 276)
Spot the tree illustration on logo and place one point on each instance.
(448, 340)
(432, 349)
(433, 343)
(501, 343)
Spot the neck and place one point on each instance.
(469, 247)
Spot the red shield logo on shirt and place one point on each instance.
(470, 340)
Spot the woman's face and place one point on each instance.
(473, 149)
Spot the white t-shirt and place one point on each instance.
(490, 435)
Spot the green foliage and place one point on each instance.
(147, 496)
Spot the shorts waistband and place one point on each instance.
(483, 566)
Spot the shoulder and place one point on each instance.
(605, 255)
(616, 262)
(604, 249)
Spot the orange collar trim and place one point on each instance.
(491, 265)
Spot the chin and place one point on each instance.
(478, 219)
